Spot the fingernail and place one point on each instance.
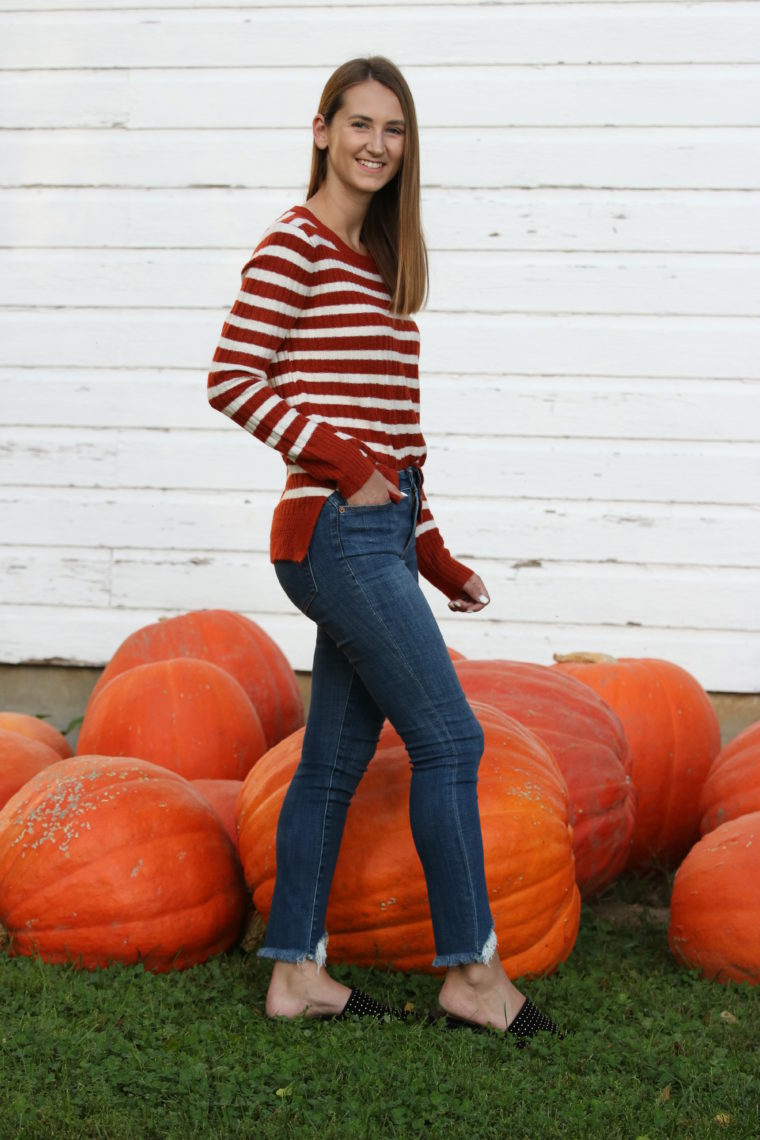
(403, 494)
(484, 599)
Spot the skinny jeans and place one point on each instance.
(379, 653)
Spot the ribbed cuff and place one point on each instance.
(439, 567)
(351, 464)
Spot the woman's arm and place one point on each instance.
(275, 283)
(462, 586)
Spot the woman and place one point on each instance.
(318, 359)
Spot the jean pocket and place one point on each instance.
(347, 508)
(297, 580)
(379, 529)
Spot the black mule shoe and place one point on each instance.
(360, 1004)
(528, 1022)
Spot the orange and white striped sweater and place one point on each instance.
(311, 362)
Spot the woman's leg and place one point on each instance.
(359, 585)
(339, 741)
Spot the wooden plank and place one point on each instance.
(579, 593)
(640, 408)
(66, 576)
(723, 661)
(461, 281)
(703, 158)
(696, 284)
(718, 348)
(148, 5)
(655, 471)
(245, 97)
(485, 34)
(512, 530)
(708, 347)
(501, 219)
(655, 408)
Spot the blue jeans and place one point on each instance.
(379, 653)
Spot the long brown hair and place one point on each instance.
(392, 230)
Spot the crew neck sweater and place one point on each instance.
(312, 362)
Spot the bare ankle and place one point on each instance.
(474, 973)
(297, 988)
(482, 993)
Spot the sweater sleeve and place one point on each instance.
(434, 560)
(275, 284)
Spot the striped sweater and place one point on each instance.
(311, 362)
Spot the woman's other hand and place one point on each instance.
(473, 597)
(376, 491)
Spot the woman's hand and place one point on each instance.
(472, 598)
(376, 491)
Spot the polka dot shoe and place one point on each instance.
(529, 1021)
(360, 1004)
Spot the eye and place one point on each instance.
(396, 131)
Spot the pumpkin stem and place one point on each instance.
(253, 935)
(584, 658)
(5, 940)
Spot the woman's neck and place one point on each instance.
(344, 214)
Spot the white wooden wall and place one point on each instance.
(591, 351)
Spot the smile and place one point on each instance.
(369, 164)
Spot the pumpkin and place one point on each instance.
(714, 918)
(378, 912)
(588, 742)
(117, 860)
(188, 715)
(37, 729)
(222, 795)
(732, 787)
(674, 737)
(20, 759)
(231, 641)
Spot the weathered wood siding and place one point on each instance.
(591, 351)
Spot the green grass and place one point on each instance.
(655, 1051)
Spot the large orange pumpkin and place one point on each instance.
(188, 715)
(117, 860)
(674, 737)
(20, 759)
(588, 742)
(732, 787)
(378, 913)
(37, 729)
(231, 641)
(223, 796)
(714, 916)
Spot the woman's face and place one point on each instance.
(365, 140)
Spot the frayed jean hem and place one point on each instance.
(319, 956)
(484, 957)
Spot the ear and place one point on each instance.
(319, 130)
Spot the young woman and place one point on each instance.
(318, 359)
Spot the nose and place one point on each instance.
(375, 141)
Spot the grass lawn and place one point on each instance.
(655, 1051)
